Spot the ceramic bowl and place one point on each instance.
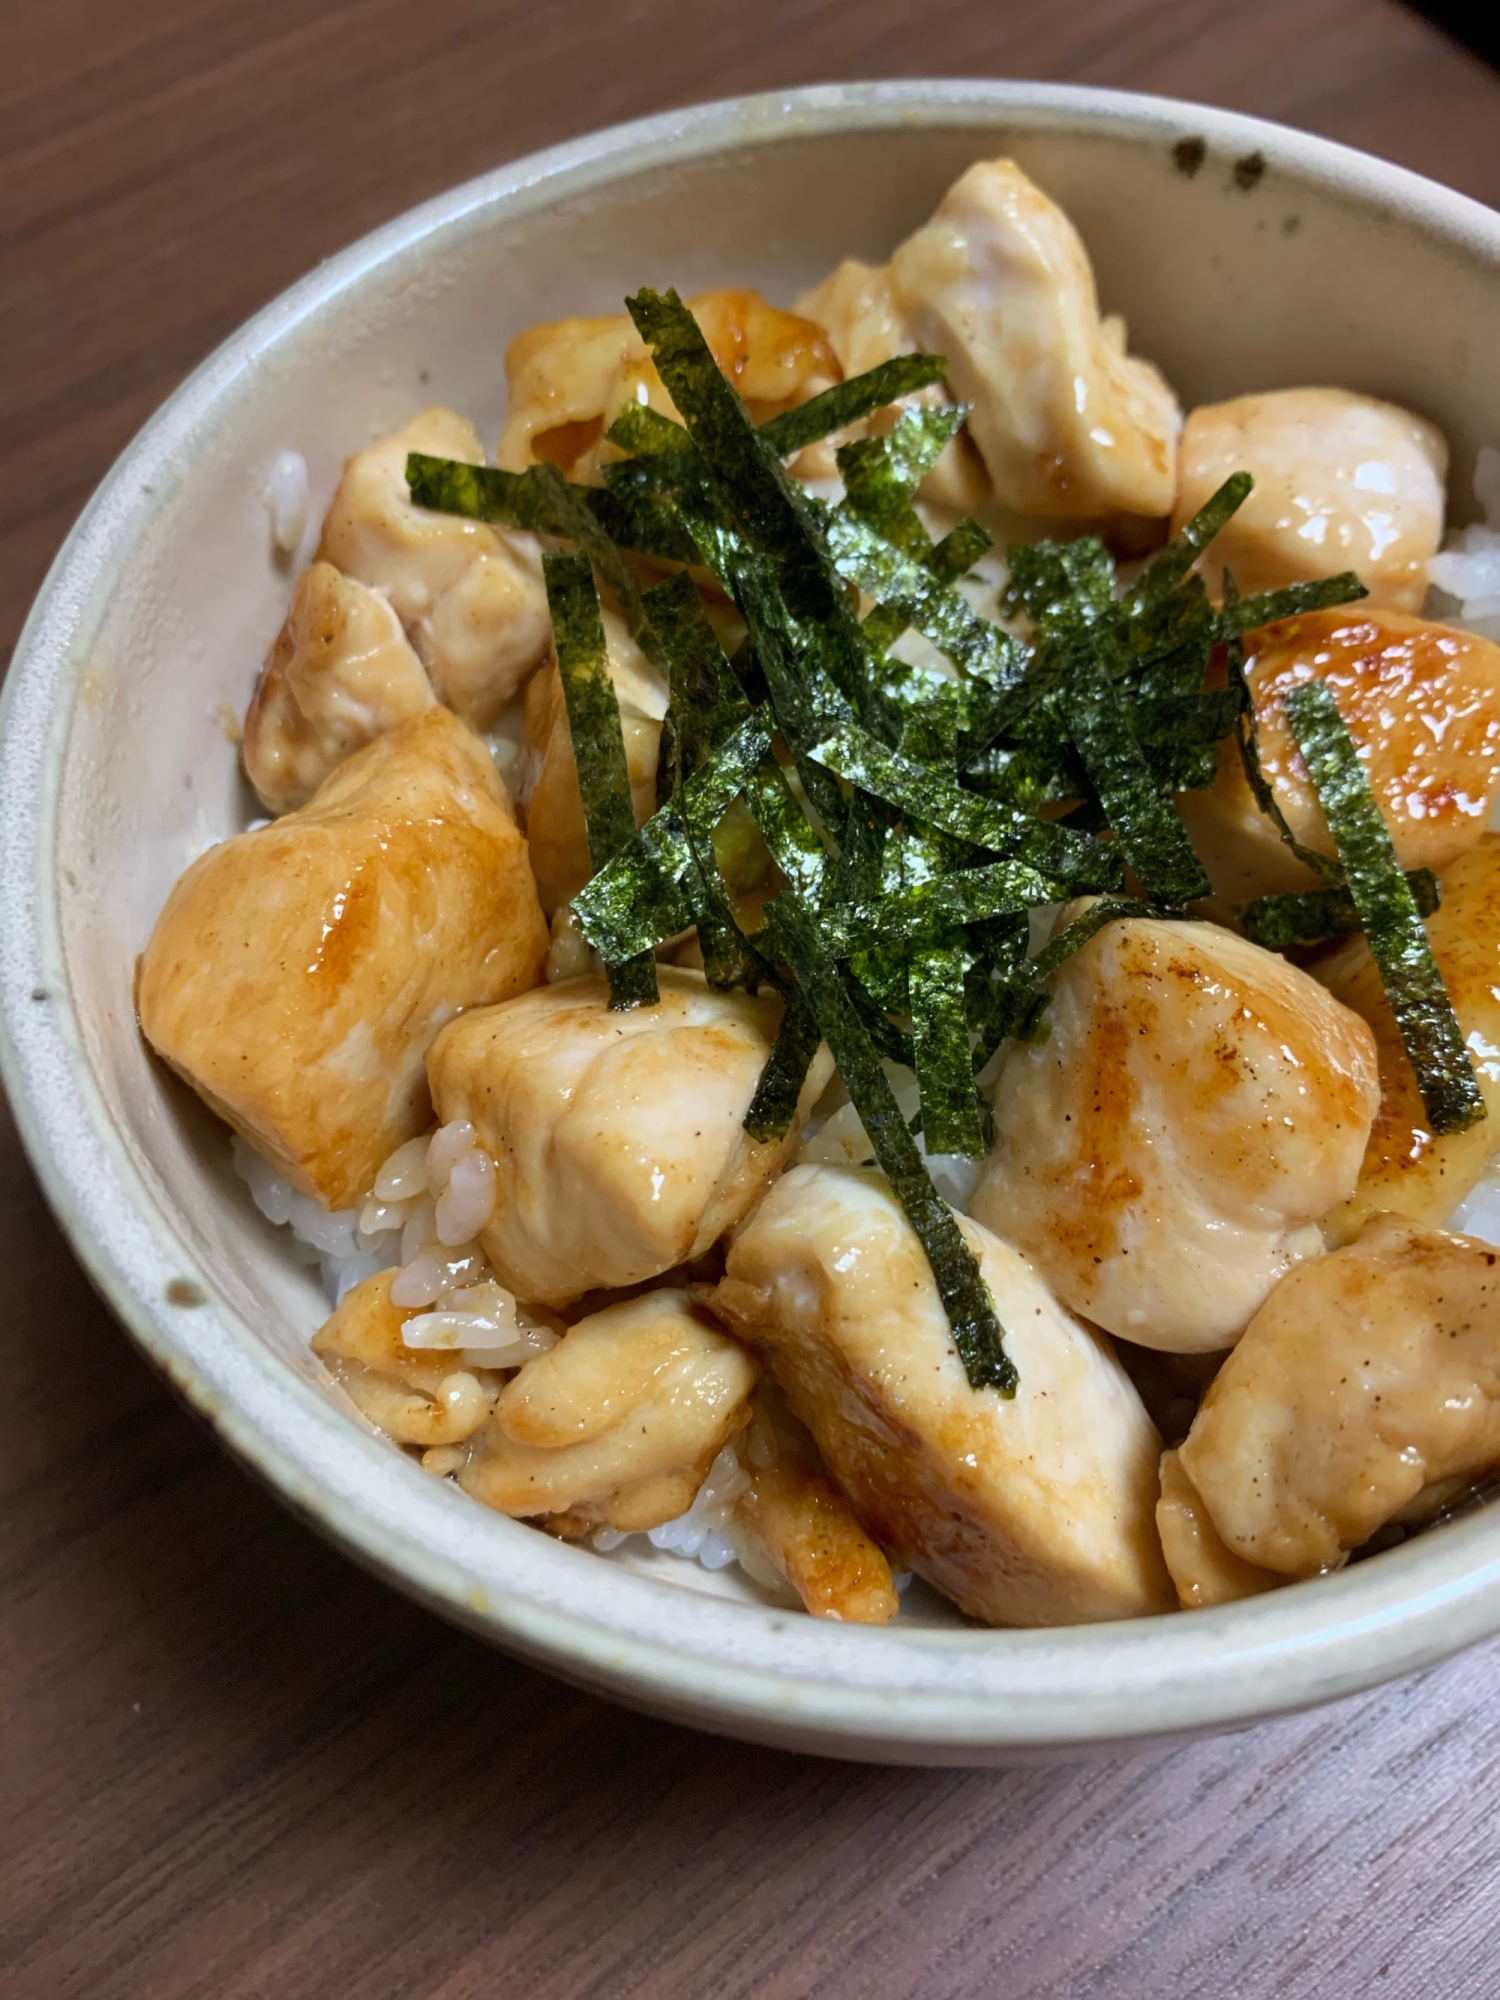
(1244, 256)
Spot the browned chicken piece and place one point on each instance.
(1069, 425)
(1422, 703)
(617, 1425)
(1037, 1510)
(798, 1521)
(570, 378)
(1366, 1376)
(1407, 1168)
(416, 1397)
(618, 1138)
(471, 596)
(1341, 482)
(1204, 1571)
(298, 973)
(555, 827)
(339, 675)
(1166, 1153)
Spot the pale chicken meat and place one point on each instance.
(555, 826)
(798, 1521)
(1364, 1378)
(569, 379)
(1421, 703)
(298, 973)
(1341, 482)
(340, 674)
(617, 1425)
(1032, 1510)
(618, 1137)
(415, 1396)
(1163, 1156)
(1204, 1570)
(470, 596)
(1068, 424)
(1408, 1168)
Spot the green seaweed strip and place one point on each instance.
(851, 753)
(779, 1088)
(565, 505)
(975, 1326)
(646, 433)
(963, 896)
(795, 847)
(1388, 912)
(956, 554)
(636, 521)
(598, 744)
(481, 492)
(706, 700)
(1170, 565)
(940, 1032)
(880, 474)
(1280, 921)
(1074, 936)
(846, 402)
(1248, 614)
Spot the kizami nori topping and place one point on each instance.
(903, 805)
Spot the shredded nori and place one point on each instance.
(1388, 912)
(1280, 922)
(846, 402)
(940, 1035)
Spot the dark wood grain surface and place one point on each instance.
(234, 1765)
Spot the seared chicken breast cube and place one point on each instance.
(338, 676)
(1407, 1168)
(798, 1521)
(1422, 704)
(555, 826)
(298, 973)
(415, 1395)
(1033, 1510)
(618, 1138)
(570, 378)
(1365, 1377)
(617, 1425)
(1204, 1571)
(1068, 424)
(1164, 1155)
(1341, 482)
(470, 595)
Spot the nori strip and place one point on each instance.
(706, 700)
(976, 1329)
(1388, 912)
(795, 847)
(1074, 936)
(1248, 614)
(779, 1087)
(846, 402)
(963, 896)
(940, 1032)
(881, 473)
(1280, 921)
(1170, 565)
(598, 744)
(956, 554)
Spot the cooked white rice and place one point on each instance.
(1466, 576)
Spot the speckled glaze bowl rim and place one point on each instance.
(912, 1694)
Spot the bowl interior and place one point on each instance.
(1276, 261)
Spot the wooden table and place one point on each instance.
(236, 1766)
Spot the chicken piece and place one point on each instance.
(338, 676)
(617, 1425)
(555, 825)
(298, 973)
(415, 1397)
(1422, 704)
(1341, 482)
(798, 1521)
(1068, 424)
(1033, 1510)
(570, 378)
(1163, 1156)
(470, 596)
(618, 1138)
(1364, 1377)
(1204, 1571)
(1407, 1168)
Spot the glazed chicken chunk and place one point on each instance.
(470, 596)
(417, 1396)
(617, 1425)
(1036, 1510)
(340, 674)
(1422, 705)
(298, 973)
(1364, 1378)
(1068, 424)
(1407, 1167)
(618, 1138)
(1341, 482)
(1164, 1155)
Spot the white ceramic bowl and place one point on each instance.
(1308, 264)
